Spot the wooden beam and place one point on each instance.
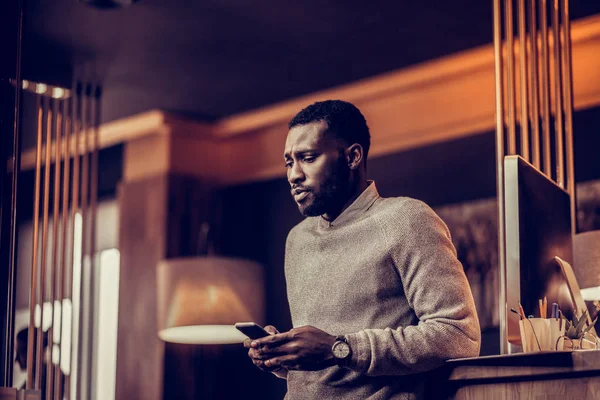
(437, 101)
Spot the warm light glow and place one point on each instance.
(199, 299)
(202, 334)
(108, 318)
(47, 316)
(56, 323)
(77, 242)
(591, 294)
(58, 93)
(65, 340)
(41, 88)
(25, 84)
(55, 354)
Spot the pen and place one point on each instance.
(516, 312)
(555, 310)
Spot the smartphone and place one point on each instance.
(252, 330)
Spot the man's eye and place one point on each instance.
(308, 159)
(288, 164)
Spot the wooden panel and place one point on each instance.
(142, 237)
(574, 387)
(197, 157)
(145, 157)
(159, 218)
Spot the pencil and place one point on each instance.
(541, 302)
(545, 307)
(522, 311)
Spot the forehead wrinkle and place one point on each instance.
(309, 135)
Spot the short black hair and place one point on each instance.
(23, 336)
(343, 119)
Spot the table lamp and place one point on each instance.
(199, 299)
(586, 263)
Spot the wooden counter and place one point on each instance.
(546, 375)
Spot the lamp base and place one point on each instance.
(202, 334)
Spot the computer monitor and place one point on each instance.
(537, 228)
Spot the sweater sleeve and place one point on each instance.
(437, 291)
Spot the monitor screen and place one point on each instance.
(538, 228)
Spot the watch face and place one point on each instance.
(341, 350)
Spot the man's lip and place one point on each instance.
(300, 195)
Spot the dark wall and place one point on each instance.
(216, 372)
(586, 133)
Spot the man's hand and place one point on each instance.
(306, 348)
(257, 358)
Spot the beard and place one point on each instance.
(331, 194)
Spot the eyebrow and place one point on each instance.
(299, 152)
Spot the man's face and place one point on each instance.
(316, 169)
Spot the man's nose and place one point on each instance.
(295, 174)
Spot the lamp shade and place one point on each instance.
(199, 299)
(586, 263)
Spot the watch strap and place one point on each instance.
(341, 338)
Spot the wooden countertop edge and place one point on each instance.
(543, 365)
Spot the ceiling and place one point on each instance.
(210, 58)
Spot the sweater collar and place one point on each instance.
(358, 207)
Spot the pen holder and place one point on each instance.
(557, 331)
(537, 335)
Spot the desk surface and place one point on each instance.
(524, 364)
(548, 375)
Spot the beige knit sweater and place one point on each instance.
(385, 274)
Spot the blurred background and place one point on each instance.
(186, 104)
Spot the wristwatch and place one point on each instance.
(341, 350)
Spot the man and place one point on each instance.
(21, 354)
(21, 349)
(376, 292)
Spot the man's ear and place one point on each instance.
(354, 156)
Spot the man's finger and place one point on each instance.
(247, 343)
(258, 355)
(261, 364)
(277, 349)
(271, 329)
(271, 340)
(289, 361)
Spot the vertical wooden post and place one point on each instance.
(160, 217)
